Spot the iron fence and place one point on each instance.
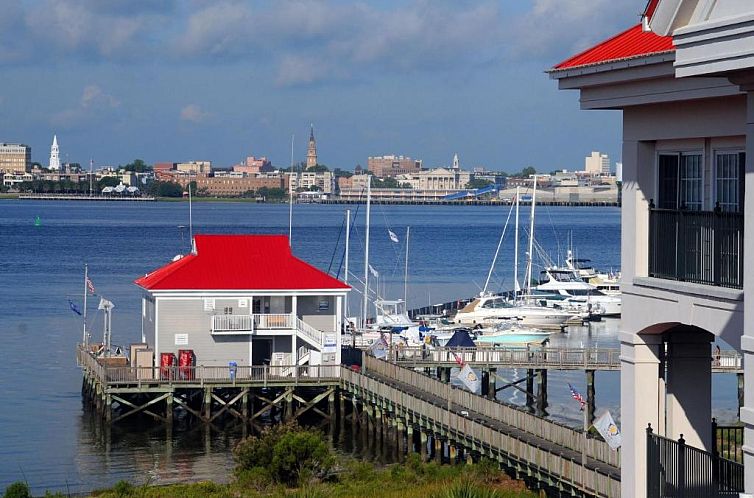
(728, 441)
(704, 247)
(675, 469)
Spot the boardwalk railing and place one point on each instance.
(552, 431)
(676, 469)
(539, 358)
(550, 464)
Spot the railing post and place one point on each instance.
(681, 467)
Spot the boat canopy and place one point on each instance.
(460, 339)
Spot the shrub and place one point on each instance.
(298, 456)
(123, 488)
(257, 451)
(18, 489)
(468, 488)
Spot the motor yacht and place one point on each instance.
(490, 309)
(563, 287)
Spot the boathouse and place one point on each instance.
(244, 299)
(683, 78)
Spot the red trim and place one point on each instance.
(632, 43)
(239, 262)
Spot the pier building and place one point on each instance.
(243, 300)
(684, 81)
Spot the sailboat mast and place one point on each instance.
(516, 286)
(405, 272)
(348, 243)
(191, 220)
(365, 304)
(530, 261)
(290, 198)
(86, 278)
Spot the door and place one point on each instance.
(261, 351)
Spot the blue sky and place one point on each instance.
(169, 80)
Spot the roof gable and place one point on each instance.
(239, 262)
(630, 44)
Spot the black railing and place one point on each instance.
(675, 469)
(728, 441)
(704, 247)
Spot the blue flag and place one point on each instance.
(74, 308)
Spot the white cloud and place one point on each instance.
(192, 113)
(93, 105)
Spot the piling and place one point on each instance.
(590, 396)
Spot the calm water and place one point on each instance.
(51, 442)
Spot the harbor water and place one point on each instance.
(49, 440)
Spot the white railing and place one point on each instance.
(273, 321)
(307, 330)
(303, 355)
(232, 323)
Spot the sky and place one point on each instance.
(179, 80)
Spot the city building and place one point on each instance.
(392, 166)
(684, 81)
(232, 184)
(437, 179)
(15, 158)
(324, 181)
(356, 182)
(243, 299)
(195, 167)
(54, 163)
(597, 164)
(253, 165)
(311, 150)
(14, 179)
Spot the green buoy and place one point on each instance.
(37, 222)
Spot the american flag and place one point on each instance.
(577, 396)
(90, 285)
(458, 359)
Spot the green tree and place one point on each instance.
(137, 166)
(527, 171)
(169, 189)
(107, 181)
(478, 183)
(271, 193)
(17, 489)
(298, 456)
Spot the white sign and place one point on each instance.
(181, 339)
(605, 425)
(331, 344)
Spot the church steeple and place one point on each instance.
(54, 154)
(311, 151)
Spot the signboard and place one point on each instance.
(181, 339)
(331, 344)
(324, 304)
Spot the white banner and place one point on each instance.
(378, 349)
(470, 379)
(605, 425)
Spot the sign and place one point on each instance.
(605, 425)
(181, 339)
(331, 344)
(324, 304)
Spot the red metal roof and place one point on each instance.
(239, 262)
(630, 44)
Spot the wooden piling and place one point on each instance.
(590, 396)
(541, 393)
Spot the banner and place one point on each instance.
(378, 349)
(605, 425)
(470, 379)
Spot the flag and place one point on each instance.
(609, 431)
(74, 308)
(457, 358)
(577, 396)
(374, 272)
(90, 285)
(470, 379)
(378, 348)
(392, 236)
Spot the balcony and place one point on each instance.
(247, 324)
(703, 247)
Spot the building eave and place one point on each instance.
(613, 65)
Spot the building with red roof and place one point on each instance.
(245, 299)
(683, 79)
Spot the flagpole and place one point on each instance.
(405, 272)
(86, 278)
(348, 244)
(366, 255)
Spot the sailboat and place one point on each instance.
(490, 308)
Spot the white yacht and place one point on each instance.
(560, 287)
(487, 309)
(607, 283)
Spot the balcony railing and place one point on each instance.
(245, 324)
(274, 321)
(704, 247)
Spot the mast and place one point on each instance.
(191, 220)
(530, 256)
(86, 278)
(516, 285)
(365, 304)
(290, 199)
(405, 272)
(91, 173)
(345, 280)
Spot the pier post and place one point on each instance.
(401, 440)
(740, 379)
(590, 396)
(529, 388)
(469, 457)
(207, 404)
(485, 383)
(438, 449)
(354, 410)
(108, 407)
(423, 441)
(410, 437)
(288, 406)
(169, 409)
(452, 454)
(542, 392)
(244, 406)
(492, 388)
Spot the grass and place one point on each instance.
(412, 479)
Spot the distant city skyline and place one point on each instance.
(181, 81)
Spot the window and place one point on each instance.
(680, 181)
(729, 184)
(228, 310)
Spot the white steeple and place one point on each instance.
(54, 154)
(456, 165)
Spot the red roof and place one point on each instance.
(630, 44)
(239, 262)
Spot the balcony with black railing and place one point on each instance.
(703, 247)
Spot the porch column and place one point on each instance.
(689, 388)
(338, 325)
(294, 313)
(747, 340)
(640, 393)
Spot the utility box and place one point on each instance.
(143, 361)
(132, 351)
